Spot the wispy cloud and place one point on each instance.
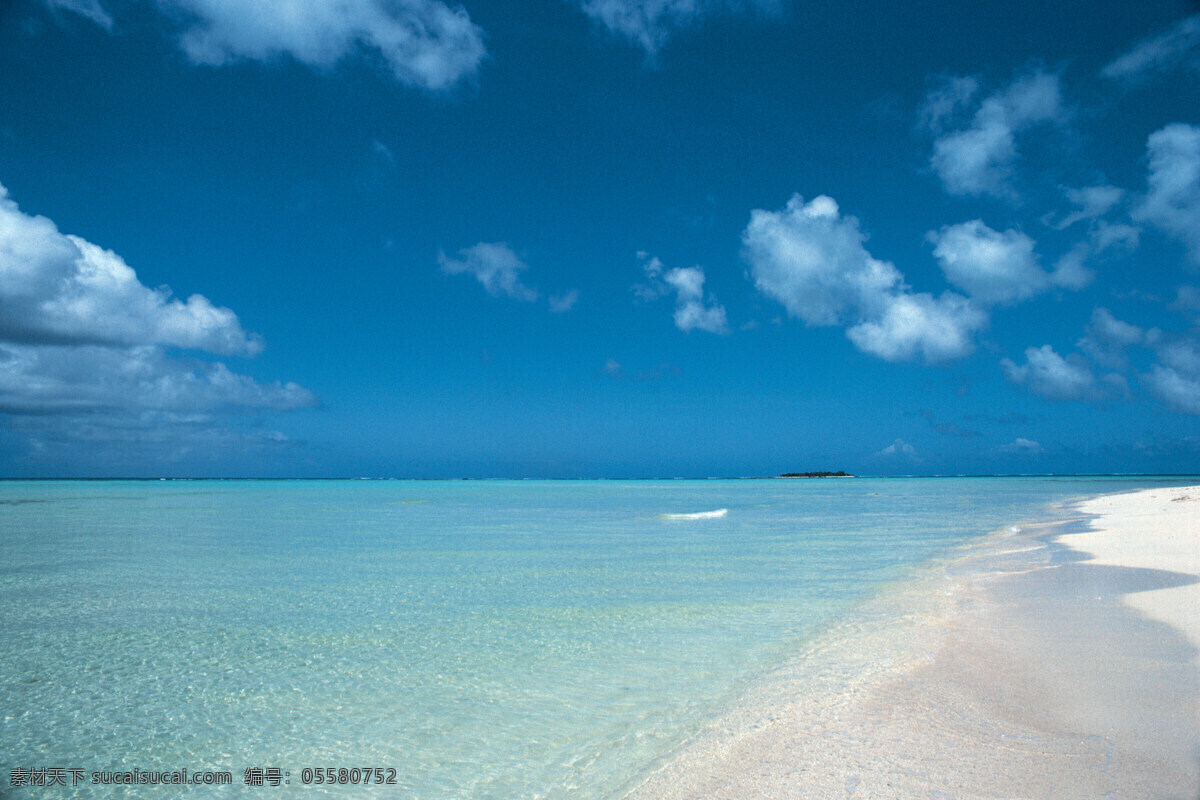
(89, 9)
(1107, 338)
(1021, 447)
(498, 269)
(1177, 45)
(976, 158)
(562, 303)
(495, 266)
(811, 259)
(425, 43)
(650, 23)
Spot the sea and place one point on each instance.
(434, 639)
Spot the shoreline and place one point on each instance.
(1055, 661)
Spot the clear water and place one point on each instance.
(484, 639)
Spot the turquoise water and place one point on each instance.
(484, 639)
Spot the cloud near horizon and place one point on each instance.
(813, 261)
(425, 43)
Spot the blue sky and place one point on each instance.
(598, 238)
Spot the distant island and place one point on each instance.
(838, 474)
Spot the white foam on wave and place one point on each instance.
(720, 512)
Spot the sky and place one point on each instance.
(598, 238)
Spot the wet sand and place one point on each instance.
(1059, 661)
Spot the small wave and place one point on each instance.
(720, 512)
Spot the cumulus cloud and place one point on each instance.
(1172, 201)
(58, 288)
(87, 349)
(990, 266)
(935, 329)
(650, 23)
(1167, 50)
(692, 310)
(1050, 375)
(425, 43)
(495, 266)
(977, 159)
(1175, 379)
(813, 260)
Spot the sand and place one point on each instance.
(1059, 661)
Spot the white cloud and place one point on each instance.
(612, 367)
(978, 159)
(813, 261)
(62, 379)
(1158, 53)
(1107, 338)
(1175, 380)
(1021, 446)
(898, 448)
(935, 329)
(1177, 389)
(57, 288)
(1187, 298)
(945, 103)
(692, 310)
(90, 9)
(383, 153)
(562, 303)
(1090, 202)
(650, 23)
(494, 265)
(425, 43)
(84, 348)
(1173, 199)
(1071, 270)
(990, 266)
(1050, 375)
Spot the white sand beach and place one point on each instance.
(1058, 661)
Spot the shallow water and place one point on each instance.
(484, 639)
